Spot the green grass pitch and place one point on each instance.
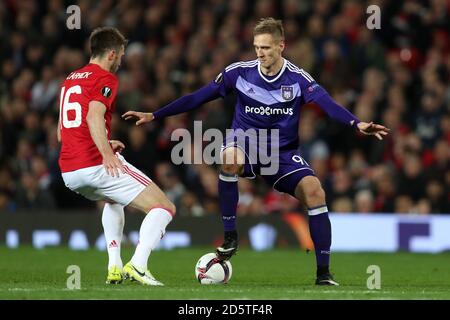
(27, 273)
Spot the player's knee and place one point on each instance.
(230, 169)
(315, 193)
(171, 208)
(232, 157)
(166, 205)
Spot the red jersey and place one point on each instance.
(90, 83)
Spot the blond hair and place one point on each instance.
(270, 26)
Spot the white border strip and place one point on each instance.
(317, 211)
(228, 179)
(285, 175)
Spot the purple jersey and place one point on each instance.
(265, 102)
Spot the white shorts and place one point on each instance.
(94, 183)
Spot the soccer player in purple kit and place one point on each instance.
(270, 91)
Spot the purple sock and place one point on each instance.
(320, 229)
(228, 200)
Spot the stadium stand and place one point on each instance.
(397, 76)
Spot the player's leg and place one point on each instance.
(135, 189)
(159, 212)
(310, 192)
(113, 221)
(131, 188)
(297, 178)
(232, 165)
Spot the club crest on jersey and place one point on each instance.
(287, 92)
(106, 92)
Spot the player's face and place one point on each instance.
(268, 49)
(117, 59)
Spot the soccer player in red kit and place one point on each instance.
(92, 166)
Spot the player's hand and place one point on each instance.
(373, 129)
(142, 117)
(117, 145)
(113, 165)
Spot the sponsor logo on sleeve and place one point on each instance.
(106, 92)
(313, 87)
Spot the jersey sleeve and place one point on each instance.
(225, 82)
(105, 90)
(311, 90)
(219, 87)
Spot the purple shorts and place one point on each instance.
(289, 167)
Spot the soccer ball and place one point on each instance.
(211, 270)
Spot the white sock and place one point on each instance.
(152, 230)
(113, 220)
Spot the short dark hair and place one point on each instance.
(270, 26)
(103, 39)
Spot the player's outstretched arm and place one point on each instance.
(181, 105)
(373, 129)
(142, 117)
(341, 114)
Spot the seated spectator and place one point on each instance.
(364, 201)
(403, 204)
(190, 206)
(342, 205)
(30, 197)
(169, 182)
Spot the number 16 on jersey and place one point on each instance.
(65, 106)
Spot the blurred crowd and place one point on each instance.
(397, 75)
